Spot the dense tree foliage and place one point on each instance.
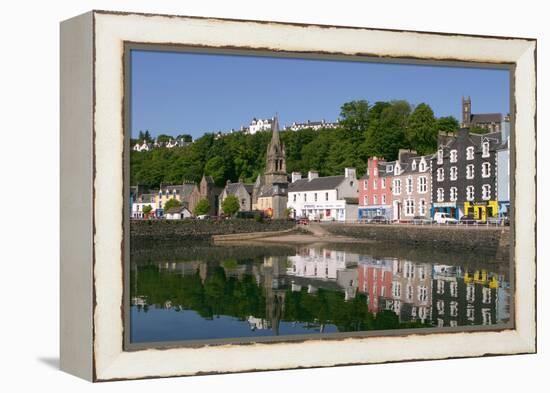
(203, 207)
(147, 209)
(365, 130)
(422, 130)
(230, 205)
(447, 123)
(171, 203)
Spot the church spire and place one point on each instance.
(276, 157)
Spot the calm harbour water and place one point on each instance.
(207, 292)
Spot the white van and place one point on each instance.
(444, 218)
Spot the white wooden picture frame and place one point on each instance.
(92, 193)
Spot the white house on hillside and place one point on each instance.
(142, 146)
(330, 198)
(314, 125)
(257, 125)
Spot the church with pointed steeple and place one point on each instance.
(271, 188)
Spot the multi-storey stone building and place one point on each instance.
(179, 192)
(464, 175)
(208, 190)
(242, 191)
(411, 183)
(375, 191)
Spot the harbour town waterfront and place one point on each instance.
(466, 177)
(277, 233)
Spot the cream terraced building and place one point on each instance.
(329, 198)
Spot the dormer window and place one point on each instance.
(470, 153)
(422, 166)
(389, 168)
(440, 156)
(414, 166)
(397, 170)
(485, 149)
(453, 156)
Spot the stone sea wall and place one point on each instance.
(198, 230)
(450, 238)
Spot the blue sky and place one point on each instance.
(175, 93)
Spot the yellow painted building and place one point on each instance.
(481, 210)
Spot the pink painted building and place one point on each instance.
(375, 193)
(375, 280)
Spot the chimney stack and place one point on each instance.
(296, 176)
(312, 175)
(350, 173)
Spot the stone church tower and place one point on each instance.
(466, 111)
(275, 168)
(270, 191)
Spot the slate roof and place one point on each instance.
(320, 183)
(477, 118)
(382, 166)
(175, 210)
(147, 198)
(272, 190)
(494, 138)
(187, 190)
(232, 188)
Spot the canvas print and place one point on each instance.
(275, 198)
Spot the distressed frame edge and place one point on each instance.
(76, 207)
(527, 339)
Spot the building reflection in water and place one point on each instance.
(437, 294)
(318, 267)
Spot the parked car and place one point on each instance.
(302, 221)
(203, 217)
(498, 221)
(468, 220)
(444, 218)
(378, 220)
(421, 220)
